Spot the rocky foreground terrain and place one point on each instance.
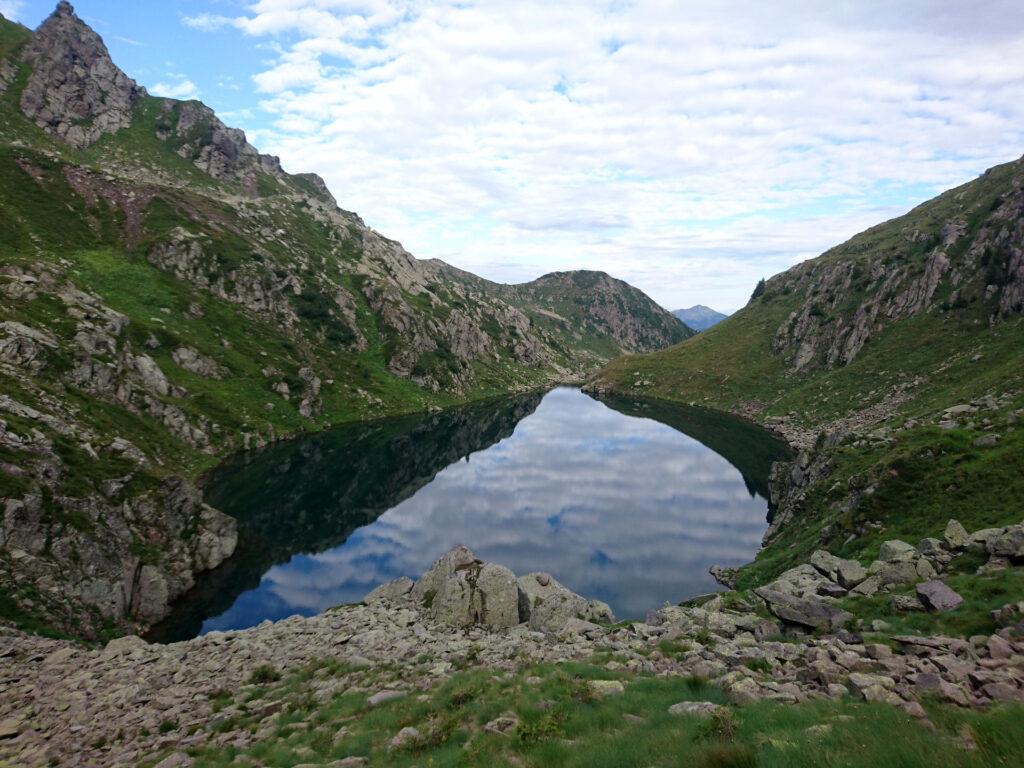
(790, 641)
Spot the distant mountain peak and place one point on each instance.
(699, 317)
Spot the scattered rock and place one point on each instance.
(382, 696)
(937, 596)
(404, 738)
(603, 688)
(695, 708)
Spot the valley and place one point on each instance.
(274, 492)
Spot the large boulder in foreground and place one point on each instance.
(430, 583)
(461, 590)
(548, 605)
(481, 594)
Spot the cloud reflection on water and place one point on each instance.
(619, 508)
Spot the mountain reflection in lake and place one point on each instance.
(622, 500)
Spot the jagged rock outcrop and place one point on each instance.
(198, 135)
(75, 91)
(461, 590)
(851, 293)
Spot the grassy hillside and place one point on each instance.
(856, 355)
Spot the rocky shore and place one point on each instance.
(789, 641)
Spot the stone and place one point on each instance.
(404, 738)
(895, 551)
(1009, 615)
(905, 604)
(955, 535)
(998, 648)
(603, 688)
(744, 691)
(850, 573)
(826, 563)
(868, 587)
(574, 626)
(193, 361)
(478, 594)
(985, 441)
(391, 591)
(547, 605)
(1010, 543)
(928, 682)
(896, 573)
(9, 728)
(382, 696)
(502, 725)
(937, 596)
(176, 760)
(811, 612)
(430, 583)
(695, 708)
(1002, 691)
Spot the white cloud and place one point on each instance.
(689, 148)
(180, 89)
(11, 8)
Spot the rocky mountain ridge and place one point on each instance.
(171, 296)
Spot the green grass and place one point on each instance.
(561, 724)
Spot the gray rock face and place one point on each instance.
(1009, 543)
(547, 605)
(75, 91)
(936, 596)
(429, 584)
(195, 362)
(393, 590)
(807, 611)
(895, 551)
(955, 535)
(478, 595)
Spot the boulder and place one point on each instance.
(404, 738)
(895, 551)
(547, 605)
(905, 604)
(937, 596)
(429, 583)
(804, 580)
(393, 590)
(850, 573)
(1010, 543)
(955, 535)
(895, 573)
(808, 611)
(695, 708)
(482, 594)
(934, 550)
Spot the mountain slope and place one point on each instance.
(857, 355)
(171, 295)
(699, 317)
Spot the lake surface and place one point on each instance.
(622, 500)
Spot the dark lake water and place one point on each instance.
(622, 500)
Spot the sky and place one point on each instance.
(687, 147)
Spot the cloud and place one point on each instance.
(11, 8)
(691, 148)
(127, 41)
(180, 89)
